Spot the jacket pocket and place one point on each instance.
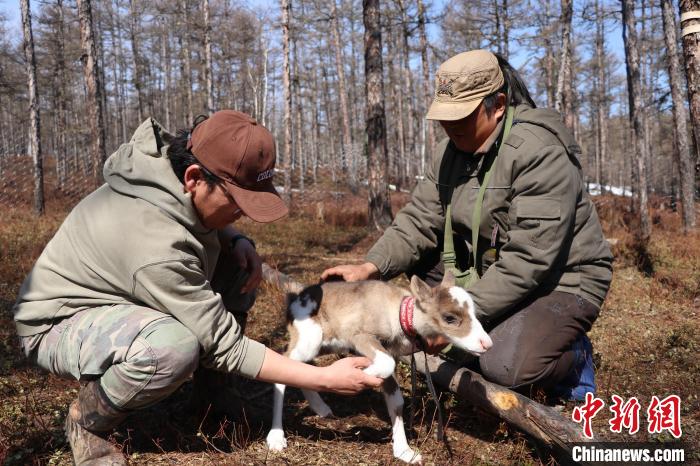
(540, 218)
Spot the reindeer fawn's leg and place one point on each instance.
(394, 404)
(304, 345)
(316, 403)
(383, 365)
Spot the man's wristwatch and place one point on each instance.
(237, 237)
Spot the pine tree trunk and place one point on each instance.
(61, 96)
(410, 140)
(601, 100)
(682, 152)
(429, 131)
(165, 52)
(506, 29)
(397, 155)
(187, 63)
(34, 118)
(94, 87)
(136, 56)
(634, 84)
(342, 89)
(207, 58)
(550, 88)
(296, 99)
(379, 202)
(691, 53)
(564, 97)
(286, 84)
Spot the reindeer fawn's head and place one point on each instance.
(448, 310)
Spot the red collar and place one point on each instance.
(408, 304)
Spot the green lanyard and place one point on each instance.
(449, 258)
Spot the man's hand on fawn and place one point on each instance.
(352, 272)
(346, 377)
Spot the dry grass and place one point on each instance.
(646, 343)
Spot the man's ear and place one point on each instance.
(193, 174)
(500, 108)
(421, 291)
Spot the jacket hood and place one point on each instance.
(141, 169)
(552, 122)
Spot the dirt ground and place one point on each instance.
(646, 343)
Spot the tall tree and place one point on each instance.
(286, 84)
(690, 22)
(94, 87)
(428, 131)
(409, 142)
(601, 97)
(34, 118)
(565, 95)
(634, 84)
(137, 75)
(377, 157)
(342, 88)
(61, 96)
(187, 63)
(682, 152)
(207, 58)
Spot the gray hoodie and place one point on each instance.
(138, 239)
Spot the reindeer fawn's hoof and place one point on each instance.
(409, 456)
(276, 440)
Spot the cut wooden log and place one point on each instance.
(543, 423)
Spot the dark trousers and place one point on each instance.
(531, 343)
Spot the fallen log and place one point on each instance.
(543, 423)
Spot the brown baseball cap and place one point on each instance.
(234, 147)
(461, 84)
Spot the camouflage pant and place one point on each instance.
(139, 354)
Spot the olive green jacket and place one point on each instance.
(546, 230)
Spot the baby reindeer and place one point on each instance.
(381, 321)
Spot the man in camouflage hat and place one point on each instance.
(141, 282)
(521, 220)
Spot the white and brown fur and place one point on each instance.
(363, 317)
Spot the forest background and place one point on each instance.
(345, 90)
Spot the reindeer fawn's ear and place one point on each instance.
(420, 289)
(448, 280)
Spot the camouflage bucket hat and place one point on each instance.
(461, 84)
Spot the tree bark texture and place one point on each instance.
(429, 131)
(286, 84)
(691, 53)
(34, 118)
(187, 63)
(564, 97)
(342, 88)
(137, 77)
(377, 159)
(682, 152)
(61, 96)
(636, 109)
(601, 99)
(207, 58)
(94, 87)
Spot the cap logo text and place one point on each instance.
(265, 175)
